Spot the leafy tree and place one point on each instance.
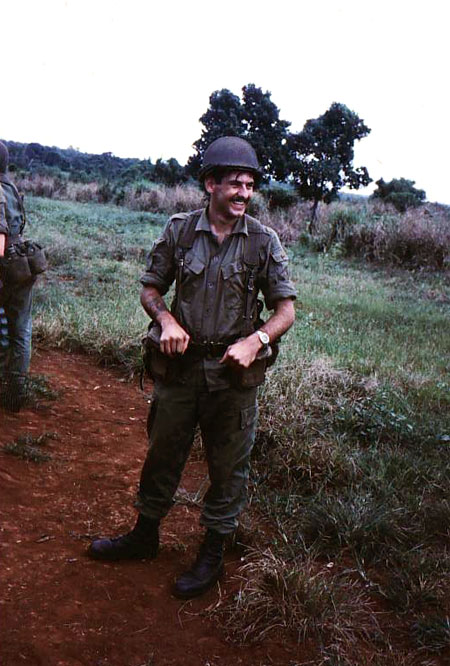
(255, 118)
(400, 192)
(170, 173)
(322, 156)
(265, 131)
(222, 118)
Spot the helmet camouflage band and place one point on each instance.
(229, 152)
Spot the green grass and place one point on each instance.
(89, 299)
(351, 464)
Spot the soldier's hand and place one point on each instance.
(174, 339)
(242, 353)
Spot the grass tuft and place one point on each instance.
(29, 447)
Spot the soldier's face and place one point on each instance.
(232, 195)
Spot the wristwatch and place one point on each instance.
(263, 336)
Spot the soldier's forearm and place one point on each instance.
(281, 320)
(2, 244)
(154, 305)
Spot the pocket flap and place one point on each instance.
(195, 264)
(232, 269)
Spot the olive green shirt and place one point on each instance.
(213, 284)
(12, 218)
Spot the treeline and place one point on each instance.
(35, 159)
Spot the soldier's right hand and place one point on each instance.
(174, 339)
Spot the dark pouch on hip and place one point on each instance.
(252, 376)
(14, 269)
(156, 363)
(255, 374)
(37, 260)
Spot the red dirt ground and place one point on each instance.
(60, 608)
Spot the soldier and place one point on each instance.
(15, 297)
(211, 357)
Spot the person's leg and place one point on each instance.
(17, 307)
(228, 423)
(18, 313)
(171, 425)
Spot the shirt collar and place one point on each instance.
(240, 226)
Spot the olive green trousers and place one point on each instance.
(227, 420)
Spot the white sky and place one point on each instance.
(134, 77)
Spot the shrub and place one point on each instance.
(279, 195)
(399, 192)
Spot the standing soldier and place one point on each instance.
(211, 354)
(15, 293)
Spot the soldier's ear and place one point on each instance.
(209, 184)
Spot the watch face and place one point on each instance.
(263, 336)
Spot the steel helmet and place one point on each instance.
(4, 158)
(230, 152)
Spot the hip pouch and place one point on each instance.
(255, 374)
(252, 376)
(22, 261)
(37, 260)
(156, 364)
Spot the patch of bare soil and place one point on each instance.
(60, 608)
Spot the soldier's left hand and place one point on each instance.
(242, 353)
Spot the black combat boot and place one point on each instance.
(141, 543)
(206, 570)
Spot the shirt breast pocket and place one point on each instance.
(233, 276)
(193, 277)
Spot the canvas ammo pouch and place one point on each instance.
(255, 374)
(22, 261)
(156, 364)
(37, 260)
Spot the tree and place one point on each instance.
(255, 118)
(169, 172)
(222, 118)
(322, 156)
(266, 132)
(400, 192)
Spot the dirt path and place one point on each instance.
(60, 608)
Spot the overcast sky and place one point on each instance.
(134, 77)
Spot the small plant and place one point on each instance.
(39, 389)
(432, 634)
(29, 447)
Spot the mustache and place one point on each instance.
(240, 200)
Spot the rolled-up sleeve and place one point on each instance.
(276, 283)
(160, 268)
(3, 222)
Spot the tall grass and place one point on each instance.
(416, 239)
(141, 196)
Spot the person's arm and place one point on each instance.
(2, 244)
(174, 339)
(244, 352)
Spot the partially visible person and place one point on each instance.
(16, 284)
